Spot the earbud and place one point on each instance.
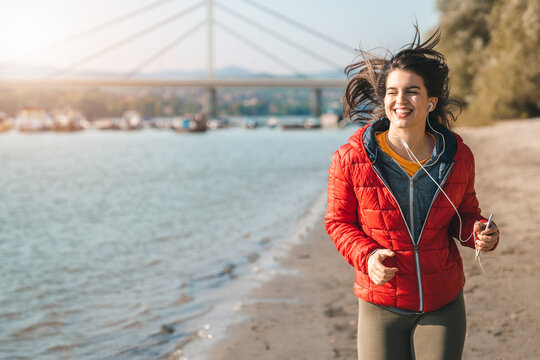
(430, 106)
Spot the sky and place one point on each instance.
(28, 28)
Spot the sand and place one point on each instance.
(313, 315)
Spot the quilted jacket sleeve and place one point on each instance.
(341, 218)
(468, 208)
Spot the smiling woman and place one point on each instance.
(386, 211)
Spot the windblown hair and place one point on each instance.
(366, 88)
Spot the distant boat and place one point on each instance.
(218, 122)
(307, 124)
(68, 119)
(162, 123)
(33, 119)
(190, 123)
(131, 120)
(106, 124)
(248, 123)
(6, 123)
(273, 122)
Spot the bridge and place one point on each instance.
(62, 77)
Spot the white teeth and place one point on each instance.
(403, 112)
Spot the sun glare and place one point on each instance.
(25, 38)
(22, 32)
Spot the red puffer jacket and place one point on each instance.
(363, 215)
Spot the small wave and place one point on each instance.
(10, 315)
(41, 328)
(24, 289)
(182, 300)
(178, 350)
(58, 348)
(162, 239)
(146, 311)
(132, 324)
(153, 263)
(191, 317)
(72, 269)
(185, 235)
(49, 306)
(227, 270)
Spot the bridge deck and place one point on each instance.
(203, 83)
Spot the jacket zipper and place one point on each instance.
(416, 254)
(415, 245)
(419, 278)
(411, 202)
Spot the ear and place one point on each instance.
(434, 101)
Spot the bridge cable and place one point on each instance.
(260, 49)
(164, 50)
(282, 38)
(85, 33)
(125, 40)
(295, 23)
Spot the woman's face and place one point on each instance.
(406, 101)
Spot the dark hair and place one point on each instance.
(364, 95)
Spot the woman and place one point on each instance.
(400, 191)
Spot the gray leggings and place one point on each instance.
(436, 335)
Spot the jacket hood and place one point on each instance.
(364, 140)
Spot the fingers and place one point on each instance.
(379, 273)
(486, 243)
(384, 253)
(479, 226)
(492, 230)
(487, 239)
(382, 275)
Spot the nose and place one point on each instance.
(401, 98)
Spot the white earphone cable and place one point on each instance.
(411, 154)
(415, 159)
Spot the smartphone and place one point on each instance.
(487, 227)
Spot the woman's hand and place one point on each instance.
(378, 273)
(487, 239)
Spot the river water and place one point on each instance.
(128, 245)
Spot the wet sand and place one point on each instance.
(314, 315)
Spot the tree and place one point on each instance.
(493, 50)
(464, 37)
(508, 85)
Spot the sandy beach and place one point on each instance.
(313, 315)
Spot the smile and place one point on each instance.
(402, 112)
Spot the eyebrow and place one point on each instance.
(408, 88)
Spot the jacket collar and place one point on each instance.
(365, 140)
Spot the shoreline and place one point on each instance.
(312, 312)
(294, 309)
(268, 265)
